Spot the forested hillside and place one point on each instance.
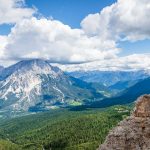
(60, 129)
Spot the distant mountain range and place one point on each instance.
(1, 68)
(35, 84)
(127, 96)
(109, 78)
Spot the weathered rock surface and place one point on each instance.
(132, 133)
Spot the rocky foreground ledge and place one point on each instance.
(132, 133)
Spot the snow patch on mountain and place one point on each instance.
(35, 84)
(23, 79)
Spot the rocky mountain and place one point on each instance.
(35, 84)
(109, 78)
(132, 133)
(127, 96)
(1, 68)
(122, 85)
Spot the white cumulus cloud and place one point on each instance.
(131, 62)
(51, 39)
(96, 42)
(123, 20)
(12, 11)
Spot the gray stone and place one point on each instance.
(132, 133)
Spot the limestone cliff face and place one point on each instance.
(132, 133)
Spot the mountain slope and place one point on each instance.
(109, 78)
(122, 85)
(1, 68)
(35, 83)
(60, 129)
(128, 96)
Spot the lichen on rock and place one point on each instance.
(142, 108)
(132, 133)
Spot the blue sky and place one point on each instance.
(138, 47)
(72, 12)
(107, 27)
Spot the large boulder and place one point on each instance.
(142, 108)
(132, 133)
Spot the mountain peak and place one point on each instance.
(31, 84)
(34, 61)
(31, 63)
(37, 66)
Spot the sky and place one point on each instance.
(76, 32)
(70, 12)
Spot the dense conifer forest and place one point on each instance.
(60, 129)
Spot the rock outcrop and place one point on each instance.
(132, 133)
